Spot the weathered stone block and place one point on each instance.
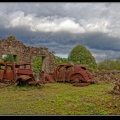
(25, 53)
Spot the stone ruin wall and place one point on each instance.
(27, 53)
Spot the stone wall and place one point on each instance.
(27, 53)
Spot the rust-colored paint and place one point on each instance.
(47, 77)
(18, 73)
(9, 74)
(22, 73)
(2, 74)
(73, 74)
(81, 84)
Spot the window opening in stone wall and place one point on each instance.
(9, 58)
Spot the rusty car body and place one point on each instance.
(18, 73)
(76, 74)
(48, 78)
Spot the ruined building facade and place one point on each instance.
(27, 53)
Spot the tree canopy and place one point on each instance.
(82, 55)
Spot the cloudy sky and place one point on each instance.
(60, 26)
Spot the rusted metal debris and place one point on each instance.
(81, 84)
(47, 77)
(18, 74)
(75, 74)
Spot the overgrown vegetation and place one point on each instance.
(82, 55)
(59, 60)
(109, 64)
(59, 99)
(37, 64)
(10, 58)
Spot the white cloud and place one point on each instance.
(54, 24)
(44, 24)
(73, 17)
(38, 19)
(18, 19)
(98, 26)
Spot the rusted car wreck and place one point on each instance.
(76, 74)
(18, 74)
(22, 74)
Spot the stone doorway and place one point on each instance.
(37, 63)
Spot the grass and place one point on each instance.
(59, 99)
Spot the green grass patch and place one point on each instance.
(59, 99)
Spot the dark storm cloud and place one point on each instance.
(100, 41)
(60, 26)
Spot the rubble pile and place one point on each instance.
(111, 77)
(107, 76)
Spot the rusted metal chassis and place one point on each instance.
(73, 73)
(17, 75)
(76, 74)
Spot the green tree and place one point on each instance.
(108, 65)
(80, 54)
(10, 58)
(59, 60)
